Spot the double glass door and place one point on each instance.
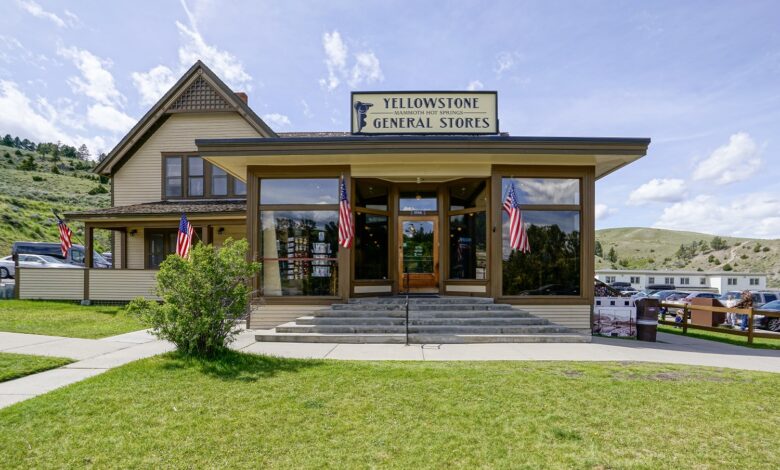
(418, 253)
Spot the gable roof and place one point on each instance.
(198, 90)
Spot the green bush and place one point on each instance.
(727, 267)
(38, 178)
(97, 190)
(202, 298)
(766, 248)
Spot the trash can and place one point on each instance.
(646, 319)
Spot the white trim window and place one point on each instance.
(685, 281)
(754, 281)
(732, 281)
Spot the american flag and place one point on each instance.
(346, 228)
(518, 238)
(65, 236)
(184, 240)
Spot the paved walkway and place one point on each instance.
(673, 349)
(94, 357)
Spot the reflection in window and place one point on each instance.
(195, 173)
(418, 201)
(299, 191)
(370, 246)
(371, 195)
(468, 246)
(299, 251)
(468, 195)
(239, 188)
(219, 182)
(544, 190)
(553, 265)
(173, 176)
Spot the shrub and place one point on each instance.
(28, 164)
(55, 169)
(100, 189)
(38, 178)
(202, 298)
(727, 267)
(757, 248)
(766, 248)
(744, 256)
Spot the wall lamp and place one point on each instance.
(133, 232)
(221, 230)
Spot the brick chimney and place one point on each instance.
(243, 97)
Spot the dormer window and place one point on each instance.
(190, 177)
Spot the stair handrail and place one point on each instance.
(406, 304)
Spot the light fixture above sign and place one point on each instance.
(424, 112)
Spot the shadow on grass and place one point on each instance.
(236, 366)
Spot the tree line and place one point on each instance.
(48, 148)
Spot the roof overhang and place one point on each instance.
(441, 156)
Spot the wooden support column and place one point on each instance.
(206, 231)
(89, 232)
(123, 248)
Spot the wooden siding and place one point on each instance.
(269, 316)
(135, 249)
(51, 284)
(139, 179)
(110, 284)
(572, 316)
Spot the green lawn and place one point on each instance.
(64, 319)
(247, 411)
(13, 366)
(758, 343)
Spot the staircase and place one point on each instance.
(432, 320)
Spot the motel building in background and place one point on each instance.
(426, 174)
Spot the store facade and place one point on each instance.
(426, 174)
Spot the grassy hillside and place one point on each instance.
(28, 196)
(647, 248)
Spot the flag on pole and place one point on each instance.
(346, 227)
(65, 236)
(184, 240)
(518, 238)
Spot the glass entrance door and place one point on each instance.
(418, 253)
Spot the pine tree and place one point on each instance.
(83, 152)
(599, 251)
(612, 255)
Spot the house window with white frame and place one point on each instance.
(669, 280)
(685, 281)
(702, 281)
(651, 280)
(732, 281)
(610, 279)
(634, 279)
(753, 281)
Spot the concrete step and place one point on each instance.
(416, 300)
(419, 338)
(415, 320)
(421, 306)
(330, 338)
(504, 313)
(430, 329)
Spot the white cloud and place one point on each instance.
(658, 190)
(109, 118)
(335, 59)
(752, 215)
(306, 109)
(37, 11)
(505, 61)
(603, 211)
(224, 64)
(366, 68)
(475, 85)
(96, 81)
(154, 83)
(277, 119)
(12, 50)
(19, 116)
(736, 161)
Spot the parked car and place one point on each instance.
(75, 255)
(43, 261)
(108, 256)
(7, 268)
(769, 323)
(653, 288)
(620, 285)
(668, 296)
(699, 295)
(553, 289)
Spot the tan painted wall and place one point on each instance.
(236, 232)
(135, 248)
(51, 283)
(139, 179)
(572, 316)
(110, 284)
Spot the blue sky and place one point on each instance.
(702, 79)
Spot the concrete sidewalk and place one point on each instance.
(93, 357)
(672, 349)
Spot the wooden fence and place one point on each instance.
(750, 332)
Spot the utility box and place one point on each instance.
(647, 319)
(705, 317)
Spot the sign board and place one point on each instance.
(424, 112)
